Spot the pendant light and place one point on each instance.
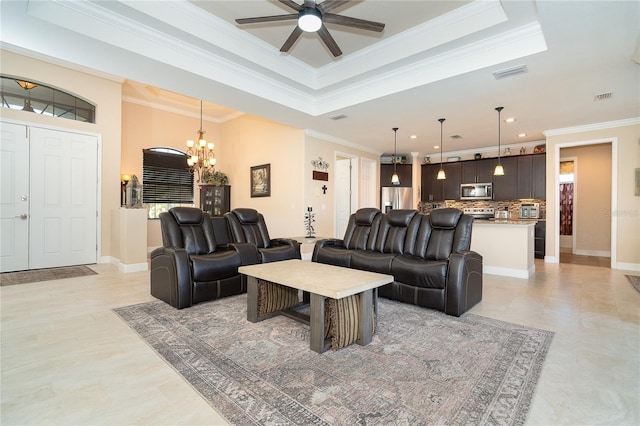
(441, 174)
(395, 180)
(499, 171)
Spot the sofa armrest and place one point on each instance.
(171, 277)
(464, 282)
(249, 254)
(327, 242)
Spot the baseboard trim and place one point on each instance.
(626, 266)
(551, 259)
(599, 253)
(509, 272)
(133, 267)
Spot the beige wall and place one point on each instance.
(106, 95)
(324, 204)
(251, 141)
(592, 198)
(145, 127)
(627, 213)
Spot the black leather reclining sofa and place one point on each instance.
(428, 255)
(200, 256)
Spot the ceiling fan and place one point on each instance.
(311, 17)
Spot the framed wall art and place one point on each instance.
(261, 180)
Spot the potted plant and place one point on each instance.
(216, 178)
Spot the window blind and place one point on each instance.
(166, 178)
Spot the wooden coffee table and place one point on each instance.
(322, 282)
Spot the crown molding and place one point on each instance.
(179, 111)
(593, 127)
(338, 141)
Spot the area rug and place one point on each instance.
(23, 277)
(635, 281)
(423, 367)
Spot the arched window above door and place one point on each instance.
(32, 96)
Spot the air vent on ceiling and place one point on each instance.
(456, 137)
(338, 117)
(602, 96)
(509, 72)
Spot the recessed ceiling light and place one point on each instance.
(436, 146)
(509, 120)
(456, 137)
(413, 137)
(522, 135)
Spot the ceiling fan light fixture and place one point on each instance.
(309, 20)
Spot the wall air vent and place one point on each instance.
(338, 117)
(602, 96)
(510, 72)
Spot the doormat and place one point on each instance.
(36, 275)
(423, 367)
(635, 281)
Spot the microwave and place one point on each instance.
(476, 191)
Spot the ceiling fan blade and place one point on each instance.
(295, 34)
(293, 5)
(329, 41)
(259, 19)
(329, 5)
(353, 22)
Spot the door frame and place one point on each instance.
(31, 124)
(353, 177)
(614, 194)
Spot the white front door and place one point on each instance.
(14, 198)
(63, 215)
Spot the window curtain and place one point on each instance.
(566, 209)
(166, 178)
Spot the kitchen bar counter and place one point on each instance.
(506, 246)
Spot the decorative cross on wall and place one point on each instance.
(324, 189)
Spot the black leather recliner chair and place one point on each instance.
(248, 226)
(191, 267)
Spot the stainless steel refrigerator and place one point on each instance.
(396, 198)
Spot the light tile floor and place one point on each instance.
(66, 358)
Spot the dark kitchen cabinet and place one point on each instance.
(539, 176)
(215, 200)
(477, 171)
(532, 178)
(524, 177)
(451, 185)
(539, 239)
(403, 170)
(506, 187)
(431, 186)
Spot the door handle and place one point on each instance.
(23, 216)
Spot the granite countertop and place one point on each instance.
(506, 221)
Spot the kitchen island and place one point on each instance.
(506, 246)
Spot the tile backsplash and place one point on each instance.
(512, 205)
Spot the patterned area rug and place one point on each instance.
(423, 367)
(23, 277)
(635, 281)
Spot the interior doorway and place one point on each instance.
(346, 191)
(586, 226)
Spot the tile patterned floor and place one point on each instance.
(67, 359)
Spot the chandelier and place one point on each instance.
(201, 157)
